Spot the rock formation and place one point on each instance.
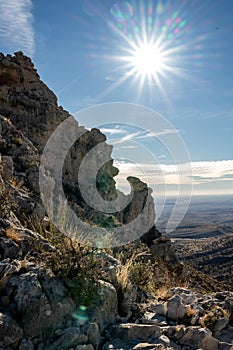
(32, 108)
(49, 299)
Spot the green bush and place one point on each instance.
(77, 266)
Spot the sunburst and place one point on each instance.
(145, 61)
(150, 49)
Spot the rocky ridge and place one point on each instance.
(33, 110)
(41, 304)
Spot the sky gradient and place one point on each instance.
(83, 51)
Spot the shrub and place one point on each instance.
(212, 316)
(7, 203)
(77, 266)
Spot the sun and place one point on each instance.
(147, 60)
(151, 47)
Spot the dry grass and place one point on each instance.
(162, 293)
(191, 312)
(7, 203)
(15, 236)
(210, 318)
(123, 273)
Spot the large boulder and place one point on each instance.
(10, 332)
(40, 300)
(105, 310)
(135, 332)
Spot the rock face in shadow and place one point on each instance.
(26, 100)
(32, 109)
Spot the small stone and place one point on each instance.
(26, 345)
(225, 346)
(147, 346)
(85, 347)
(164, 340)
(176, 310)
(159, 309)
(194, 320)
(151, 318)
(93, 335)
(221, 324)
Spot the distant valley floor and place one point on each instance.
(204, 239)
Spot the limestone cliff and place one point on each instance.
(33, 110)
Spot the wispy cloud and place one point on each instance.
(110, 78)
(85, 102)
(113, 131)
(223, 114)
(16, 25)
(139, 134)
(126, 138)
(213, 114)
(68, 85)
(118, 75)
(129, 147)
(158, 133)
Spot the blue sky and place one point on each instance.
(84, 49)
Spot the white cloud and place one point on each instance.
(209, 171)
(129, 147)
(16, 25)
(171, 174)
(113, 131)
(110, 78)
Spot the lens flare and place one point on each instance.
(81, 315)
(150, 42)
(122, 11)
(150, 45)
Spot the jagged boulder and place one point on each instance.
(134, 332)
(26, 100)
(105, 310)
(10, 332)
(39, 299)
(15, 147)
(70, 337)
(32, 108)
(163, 251)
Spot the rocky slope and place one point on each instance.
(32, 108)
(213, 256)
(57, 294)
